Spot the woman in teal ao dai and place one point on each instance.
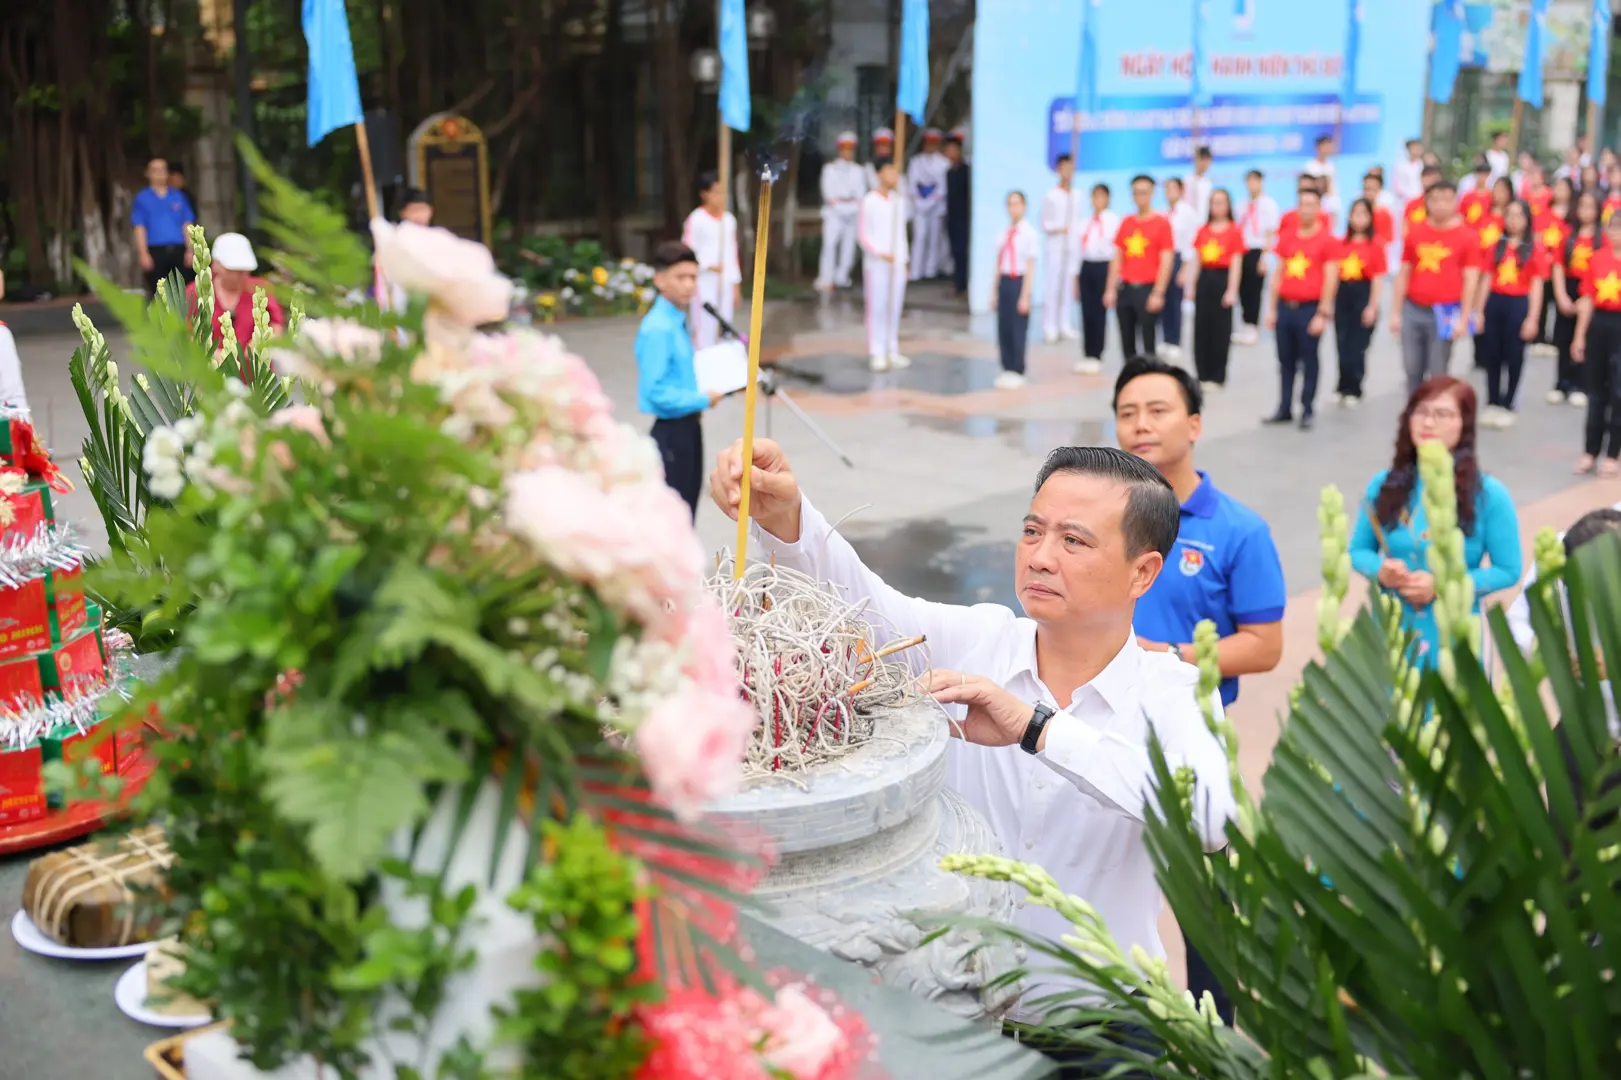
(1390, 542)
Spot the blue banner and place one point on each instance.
(1446, 54)
(1598, 59)
(912, 90)
(736, 112)
(1529, 89)
(334, 87)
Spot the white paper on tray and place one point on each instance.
(722, 368)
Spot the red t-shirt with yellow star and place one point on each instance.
(1490, 230)
(1141, 243)
(1218, 248)
(1611, 205)
(1476, 206)
(1438, 258)
(1362, 260)
(1301, 262)
(1603, 281)
(1551, 231)
(1539, 200)
(1578, 255)
(1384, 227)
(1511, 275)
(1416, 212)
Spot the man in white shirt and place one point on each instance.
(1321, 166)
(1258, 221)
(1060, 226)
(1589, 525)
(1197, 186)
(926, 183)
(1184, 227)
(711, 232)
(843, 184)
(881, 229)
(1406, 181)
(1498, 157)
(1572, 168)
(1059, 703)
(1096, 253)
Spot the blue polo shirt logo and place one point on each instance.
(1192, 561)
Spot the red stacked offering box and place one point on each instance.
(20, 685)
(68, 612)
(76, 664)
(25, 623)
(22, 785)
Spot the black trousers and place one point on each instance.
(1094, 280)
(166, 259)
(1505, 350)
(1603, 366)
(1011, 327)
(1202, 979)
(681, 447)
(1250, 283)
(957, 239)
(1297, 352)
(1078, 1063)
(1212, 326)
(1136, 321)
(1567, 375)
(1351, 337)
(1170, 316)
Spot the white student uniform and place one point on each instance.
(883, 280)
(1196, 190)
(703, 234)
(11, 371)
(1061, 213)
(843, 185)
(926, 182)
(1258, 220)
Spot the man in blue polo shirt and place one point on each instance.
(1224, 566)
(160, 216)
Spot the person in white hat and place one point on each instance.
(234, 286)
(843, 184)
(884, 255)
(926, 180)
(883, 146)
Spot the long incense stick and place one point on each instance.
(751, 394)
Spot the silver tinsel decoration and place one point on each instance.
(28, 557)
(8, 411)
(19, 727)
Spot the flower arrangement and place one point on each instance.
(580, 279)
(443, 719)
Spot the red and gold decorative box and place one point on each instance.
(22, 785)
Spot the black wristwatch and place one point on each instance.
(1038, 724)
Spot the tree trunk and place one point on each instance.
(674, 117)
(605, 156)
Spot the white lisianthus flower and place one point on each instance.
(458, 276)
(168, 486)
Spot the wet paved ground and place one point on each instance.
(943, 467)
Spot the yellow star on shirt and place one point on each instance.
(1297, 265)
(1418, 216)
(1608, 288)
(1579, 257)
(1431, 256)
(1509, 272)
(1492, 233)
(1210, 252)
(1136, 245)
(1550, 236)
(1474, 212)
(1351, 267)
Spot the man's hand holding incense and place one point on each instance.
(773, 490)
(995, 717)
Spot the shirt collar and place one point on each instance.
(669, 310)
(1202, 503)
(1116, 684)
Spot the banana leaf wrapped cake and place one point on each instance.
(90, 896)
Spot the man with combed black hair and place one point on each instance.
(1054, 706)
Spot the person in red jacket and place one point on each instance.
(1440, 266)
(1598, 348)
(1508, 308)
(1140, 272)
(1304, 274)
(234, 284)
(1356, 301)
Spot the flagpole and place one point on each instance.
(364, 144)
(900, 212)
(723, 154)
(1514, 125)
(1592, 128)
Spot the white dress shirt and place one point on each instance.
(1407, 180)
(877, 231)
(1196, 190)
(1321, 168)
(843, 185)
(1077, 809)
(11, 371)
(1499, 161)
(1018, 250)
(1061, 212)
(1258, 220)
(1184, 227)
(1097, 236)
(1519, 612)
(926, 181)
(714, 240)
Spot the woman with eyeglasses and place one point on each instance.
(1390, 543)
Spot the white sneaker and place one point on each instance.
(1351, 401)
(1050, 338)
(1556, 397)
(1170, 352)
(1576, 400)
(878, 363)
(1211, 387)
(1248, 335)
(1071, 334)
(1493, 417)
(1009, 380)
(1505, 418)
(1542, 348)
(1087, 367)
(1339, 399)
(897, 361)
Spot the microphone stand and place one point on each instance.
(770, 387)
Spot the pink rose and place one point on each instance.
(305, 418)
(458, 276)
(711, 650)
(343, 338)
(801, 1039)
(691, 747)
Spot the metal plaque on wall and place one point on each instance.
(451, 162)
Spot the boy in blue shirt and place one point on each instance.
(159, 216)
(666, 384)
(1223, 567)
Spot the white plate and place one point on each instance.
(130, 994)
(34, 940)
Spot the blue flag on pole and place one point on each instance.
(1598, 56)
(1446, 50)
(1086, 72)
(912, 92)
(736, 112)
(1536, 41)
(1199, 85)
(1353, 51)
(334, 87)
